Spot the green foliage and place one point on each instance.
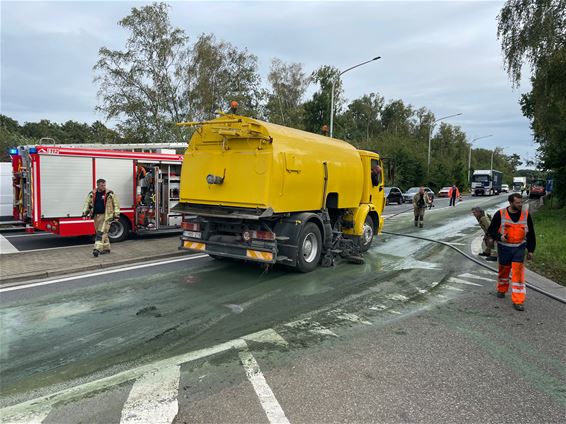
(535, 32)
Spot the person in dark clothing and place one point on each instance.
(513, 229)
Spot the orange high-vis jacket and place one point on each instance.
(515, 232)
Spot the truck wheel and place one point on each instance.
(119, 230)
(367, 236)
(310, 248)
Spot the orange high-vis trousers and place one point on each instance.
(518, 290)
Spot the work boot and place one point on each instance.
(483, 254)
(491, 258)
(500, 295)
(95, 253)
(416, 223)
(518, 306)
(105, 251)
(421, 225)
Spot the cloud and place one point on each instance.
(442, 55)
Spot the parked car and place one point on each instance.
(409, 194)
(393, 195)
(504, 188)
(444, 192)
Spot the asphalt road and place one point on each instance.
(413, 335)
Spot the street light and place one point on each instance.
(470, 154)
(332, 93)
(430, 135)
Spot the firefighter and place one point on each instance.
(512, 228)
(420, 202)
(488, 246)
(101, 205)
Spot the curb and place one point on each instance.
(59, 272)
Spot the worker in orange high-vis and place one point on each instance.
(512, 228)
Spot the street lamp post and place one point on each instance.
(470, 154)
(430, 136)
(332, 92)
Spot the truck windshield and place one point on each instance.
(480, 178)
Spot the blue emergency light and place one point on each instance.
(32, 150)
(13, 152)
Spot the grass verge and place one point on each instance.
(550, 254)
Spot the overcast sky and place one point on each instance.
(443, 55)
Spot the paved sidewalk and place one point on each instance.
(25, 266)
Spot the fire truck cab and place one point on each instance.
(51, 183)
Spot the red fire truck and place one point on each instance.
(51, 183)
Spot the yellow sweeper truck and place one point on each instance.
(266, 193)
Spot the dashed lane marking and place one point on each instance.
(476, 277)
(312, 327)
(350, 317)
(453, 288)
(153, 398)
(460, 281)
(38, 406)
(264, 393)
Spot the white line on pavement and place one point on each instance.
(94, 274)
(28, 416)
(33, 407)
(460, 281)
(453, 288)
(6, 246)
(30, 235)
(352, 317)
(266, 397)
(476, 277)
(312, 327)
(153, 398)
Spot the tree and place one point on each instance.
(317, 110)
(143, 86)
(218, 73)
(362, 119)
(288, 85)
(535, 32)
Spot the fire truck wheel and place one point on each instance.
(310, 248)
(119, 230)
(367, 236)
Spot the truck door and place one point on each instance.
(376, 180)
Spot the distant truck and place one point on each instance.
(261, 192)
(486, 182)
(519, 183)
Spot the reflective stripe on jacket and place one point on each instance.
(515, 232)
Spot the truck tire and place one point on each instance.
(367, 236)
(309, 248)
(119, 230)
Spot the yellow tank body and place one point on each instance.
(262, 165)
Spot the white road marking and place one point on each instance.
(453, 288)
(94, 274)
(35, 406)
(266, 397)
(476, 244)
(396, 296)
(312, 327)
(266, 336)
(394, 312)
(53, 248)
(460, 281)
(477, 277)
(378, 307)
(352, 317)
(153, 398)
(6, 246)
(456, 244)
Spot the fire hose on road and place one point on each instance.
(471, 258)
